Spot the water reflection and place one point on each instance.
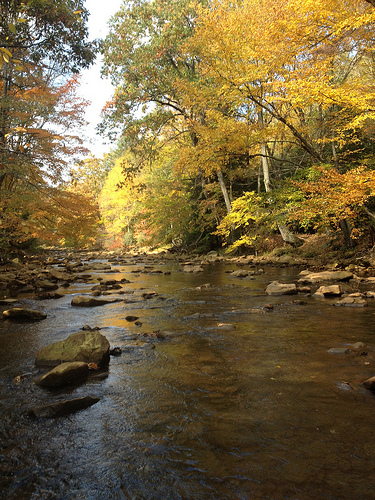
(252, 412)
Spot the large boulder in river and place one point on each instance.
(86, 346)
(276, 288)
(89, 301)
(21, 314)
(64, 374)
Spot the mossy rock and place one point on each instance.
(86, 346)
(66, 373)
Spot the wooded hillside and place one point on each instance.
(233, 122)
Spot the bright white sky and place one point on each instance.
(93, 87)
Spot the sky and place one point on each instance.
(93, 87)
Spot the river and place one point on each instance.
(258, 411)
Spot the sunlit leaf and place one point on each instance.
(6, 51)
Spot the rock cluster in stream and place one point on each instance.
(72, 360)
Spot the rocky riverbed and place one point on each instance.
(241, 362)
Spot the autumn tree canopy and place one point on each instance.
(233, 120)
(252, 95)
(43, 44)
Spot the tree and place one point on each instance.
(244, 92)
(89, 175)
(284, 60)
(35, 156)
(46, 32)
(42, 44)
(327, 198)
(119, 204)
(143, 56)
(302, 70)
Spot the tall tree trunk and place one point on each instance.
(347, 231)
(228, 203)
(265, 168)
(3, 105)
(334, 154)
(224, 190)
(286, 234)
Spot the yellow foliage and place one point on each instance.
(331, 197)
(284, 56)
(118, 201)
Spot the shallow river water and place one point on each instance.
(255, 412)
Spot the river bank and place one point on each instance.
(40, 272)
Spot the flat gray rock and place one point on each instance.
(325, 276)
(339, 350)
(89, 301)
(276, 288)
(351, 302)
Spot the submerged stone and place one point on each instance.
(193, 269)
(369, 383)
(99, 266)
(241, 273)
(339, 350)
(351, 302)
(21, 314)
(89, 301)
(62, 408)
